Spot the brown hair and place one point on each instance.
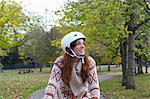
(68, 63)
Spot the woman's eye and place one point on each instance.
(77, 43)
(80, 43)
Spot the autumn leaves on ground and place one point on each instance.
(20, 86)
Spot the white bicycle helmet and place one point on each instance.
(68, 39)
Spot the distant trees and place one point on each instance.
(39, 48)
(23, 39)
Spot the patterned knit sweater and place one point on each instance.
(56, 89)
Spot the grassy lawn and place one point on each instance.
(112, 87)
(21, 86)
(104, 71)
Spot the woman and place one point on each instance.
(74, 74)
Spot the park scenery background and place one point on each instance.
(118, 38)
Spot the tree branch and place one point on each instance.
(140, 24)
(147, 7)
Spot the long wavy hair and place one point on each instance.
(68, 64)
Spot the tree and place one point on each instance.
(137, 13)
(12, 22)
(38, 47)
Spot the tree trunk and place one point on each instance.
(41, 66)
(131, 63)
(109, 66)
(40, 69)
(146, 69)
(140, 70)
(123, 60)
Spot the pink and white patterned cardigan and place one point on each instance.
(56, 89)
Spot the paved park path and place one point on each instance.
(39, 94)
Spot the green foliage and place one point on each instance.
(102, 23)
(143, 41)
(38, 47)
(3, 52)
(1, 65)
(12, 22)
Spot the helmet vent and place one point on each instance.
(75, 35)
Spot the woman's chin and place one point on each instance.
(82, 54)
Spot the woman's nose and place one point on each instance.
(82, 45)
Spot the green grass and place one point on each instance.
(21, 86)
(112, 87)
(105, 71)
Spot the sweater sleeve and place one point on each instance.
(52, 88)
(93, 80)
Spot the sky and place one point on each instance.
(39, 7)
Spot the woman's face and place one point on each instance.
(79, 48)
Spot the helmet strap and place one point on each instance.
(75, 55)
